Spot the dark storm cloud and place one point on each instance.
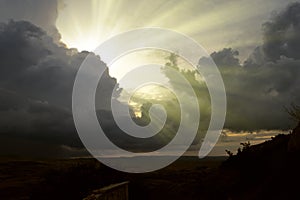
(269, 79)
(280, 37)
(226, 57)
(36, 81)
(42, 13)
(281, 34)
(24, 116)
(256, 97)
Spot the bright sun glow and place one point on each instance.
(85, 24)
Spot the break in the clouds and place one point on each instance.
(215, 24)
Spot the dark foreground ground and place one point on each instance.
(266, 171)
(75, 179)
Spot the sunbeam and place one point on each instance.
(85, 24)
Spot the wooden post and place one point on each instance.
(117, 191)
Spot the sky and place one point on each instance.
(214, 24)
(255, 45)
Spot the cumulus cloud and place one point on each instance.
(36, 81)
(280, 37)
(269, 79)
(281, 34)
(42, 13)
(226, 57)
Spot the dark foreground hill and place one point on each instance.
(270, 170)
(266, 171)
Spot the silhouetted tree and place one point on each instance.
(245, 145)
(230, 154)
(294, 112)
